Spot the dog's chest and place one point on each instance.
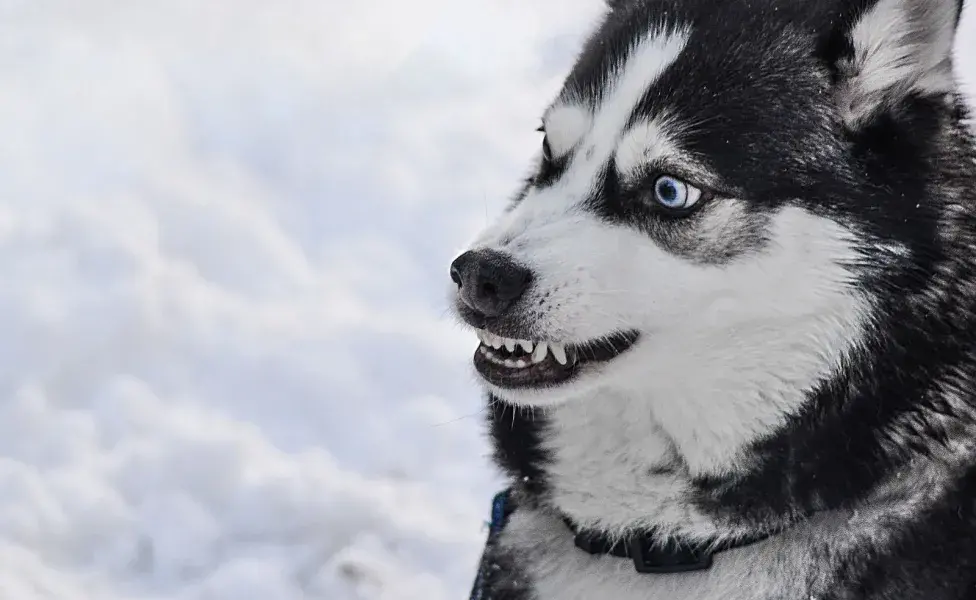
(612, 467)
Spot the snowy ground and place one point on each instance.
(225, 371)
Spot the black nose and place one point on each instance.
(489, 281)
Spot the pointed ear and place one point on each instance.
(894, 48)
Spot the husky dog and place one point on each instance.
(728, 324)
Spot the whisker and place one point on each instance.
(459, 419)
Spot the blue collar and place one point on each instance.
(501, 508)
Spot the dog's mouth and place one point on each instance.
(510, 363)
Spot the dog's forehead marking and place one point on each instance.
(625, 85)
(646, 141)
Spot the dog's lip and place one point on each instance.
(513, 363)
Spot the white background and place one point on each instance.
(225, 367)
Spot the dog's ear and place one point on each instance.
(883, 51)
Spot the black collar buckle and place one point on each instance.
(670, 558)
(647, 553)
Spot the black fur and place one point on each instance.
(517, 434)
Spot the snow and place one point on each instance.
(224, 237)
(225, 364)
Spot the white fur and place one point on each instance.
(646, 142)
(565, 126)
(899, 46)
(727, 351)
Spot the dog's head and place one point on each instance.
(722, 191)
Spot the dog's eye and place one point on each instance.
(546, 148)
(675, 194)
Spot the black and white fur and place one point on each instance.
(806, 365)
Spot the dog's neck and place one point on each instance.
(623, 477)
(609, 463)
(614, 469)
(628, 458)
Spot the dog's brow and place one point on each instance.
(645, 142)
(565, 125)
(626, 83)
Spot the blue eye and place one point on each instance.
(673, 193)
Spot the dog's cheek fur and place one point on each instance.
(726, 230)
(594, 277)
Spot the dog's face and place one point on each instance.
(712, 199)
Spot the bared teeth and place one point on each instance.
(535, 352)
(559, 353)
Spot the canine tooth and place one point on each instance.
(483, 336)
(559, 353)
(526, 345)
(541, 349)
(510, 345)
(483, 350)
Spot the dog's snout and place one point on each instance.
(489, 282)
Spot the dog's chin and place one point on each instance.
(530, 373)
